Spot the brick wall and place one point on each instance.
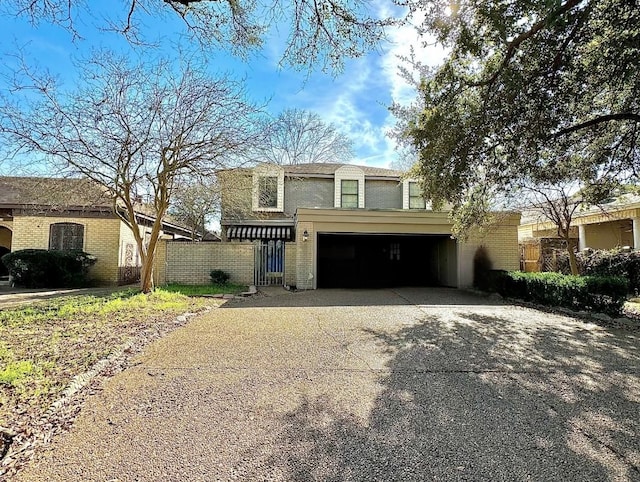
(101, 239)
(383, 194)
(501, 243)
(160, 263)
(305, 256)
(308, 193)
(191, 263)
(290, 266)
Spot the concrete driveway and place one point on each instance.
(391, 385)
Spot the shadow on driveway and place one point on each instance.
(281, 298)
(472, 396)
(388, 385)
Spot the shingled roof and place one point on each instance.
(322, 168)
(61, 194)
(56, 193)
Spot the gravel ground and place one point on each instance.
(408, 384)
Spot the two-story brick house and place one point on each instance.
(336, 225)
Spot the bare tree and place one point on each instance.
(196, 202)
(555, 204)
(301, 137)
(135, 128)
(318, 32)
(558, 203)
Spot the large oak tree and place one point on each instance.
(532, 93)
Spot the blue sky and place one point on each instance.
(356, 100)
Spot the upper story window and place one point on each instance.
(412, 197)
(416, 201)
(268, 192)
(349, 193)
(349, 186)
(63, 236)
(268, 188)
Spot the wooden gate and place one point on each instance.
(530, 258)
(269, 263)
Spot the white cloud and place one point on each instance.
(402, 40)
(350, 103)
(357, 101)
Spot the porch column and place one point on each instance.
(582, 237)
(636, 233)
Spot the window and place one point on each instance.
(416, 201)
(268, 192)
(349, 193)
(66, 236)
(394, 252)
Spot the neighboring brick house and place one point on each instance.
(337, 225)
(53, 213)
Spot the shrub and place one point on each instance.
(219, 277)
(604, 294)
(41, 268)
(613, 262)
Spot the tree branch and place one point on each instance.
(599, 120)
(512, 46)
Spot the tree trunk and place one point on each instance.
(146, 273)
(573, 262)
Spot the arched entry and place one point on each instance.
(5, 247)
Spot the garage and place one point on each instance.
(385, 260)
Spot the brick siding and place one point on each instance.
(501, 243)
(191, 263)
(101, 239)
(383, 194)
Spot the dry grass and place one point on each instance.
(209, 289)
(44, 345)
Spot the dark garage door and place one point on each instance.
(378, 261)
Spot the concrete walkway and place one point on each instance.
(11, 297)
(389, 385)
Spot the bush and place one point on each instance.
(605, 294)
(614, 262)
(41, 268)
(219, 277)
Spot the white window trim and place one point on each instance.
(406, 197)
(348, 173)
(268, 171)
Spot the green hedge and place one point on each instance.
(615, 262)
(603, 294)
(41, 268)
